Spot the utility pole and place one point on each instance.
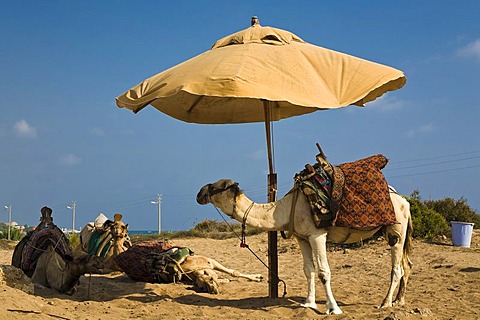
(9, 210)
(74, 205)
(159, 205)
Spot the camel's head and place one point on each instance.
(81, 263)
(117, 227)
(206, 193)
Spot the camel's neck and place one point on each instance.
(117, 245)
(268, 216)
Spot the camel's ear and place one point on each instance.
(117, 217)
(232, 184)
(126, 226)
(225, 184)
(46, 212)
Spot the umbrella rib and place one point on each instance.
(195, 104)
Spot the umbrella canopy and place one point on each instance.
(229, 83)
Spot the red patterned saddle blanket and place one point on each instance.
(365, 200)
(353, 194)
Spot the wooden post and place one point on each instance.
(272, 196)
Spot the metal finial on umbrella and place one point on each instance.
(255, 21)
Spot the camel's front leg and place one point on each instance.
(319, 249)
(309, 270)
(234, 273)
(196, 262)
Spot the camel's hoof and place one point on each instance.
(399, 302)
(257, 277)
(334, 311)
(312, 305)
(332, 308)
(386, 304)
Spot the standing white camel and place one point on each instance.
(276, 216)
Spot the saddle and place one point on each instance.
(153, 261)
(353, 194)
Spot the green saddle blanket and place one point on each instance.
(100, 243)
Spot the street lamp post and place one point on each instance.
(74, 205)
(9, 210)
(159, 206)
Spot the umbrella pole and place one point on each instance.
(272, 196)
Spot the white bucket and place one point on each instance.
(461, 233)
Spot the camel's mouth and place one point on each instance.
(202, 195)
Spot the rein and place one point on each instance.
(243, 243)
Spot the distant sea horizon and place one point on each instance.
(130, 232)
(134, 232)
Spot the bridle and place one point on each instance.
(211, 191)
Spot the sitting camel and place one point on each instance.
(46, 256)
(292, 212)
(105, 239)
(158, 261)
(62, 273)
(46, 221)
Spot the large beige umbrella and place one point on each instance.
(262, 74)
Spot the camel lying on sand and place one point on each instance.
(63, 273)
(279, 216)
(201, 271)
(158, 261)
(105, 239)
(46, 221)
(46, 256)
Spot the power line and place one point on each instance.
(437, 157)
(431, 164)
(431, 172)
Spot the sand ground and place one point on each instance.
(445, 284)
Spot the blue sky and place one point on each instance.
(63, 139)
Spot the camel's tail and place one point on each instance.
(408, 245)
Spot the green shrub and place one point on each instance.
(205, 229)
(427, 223)
(74, 239)
(454, 210)
(220, 230)
(15, 233)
